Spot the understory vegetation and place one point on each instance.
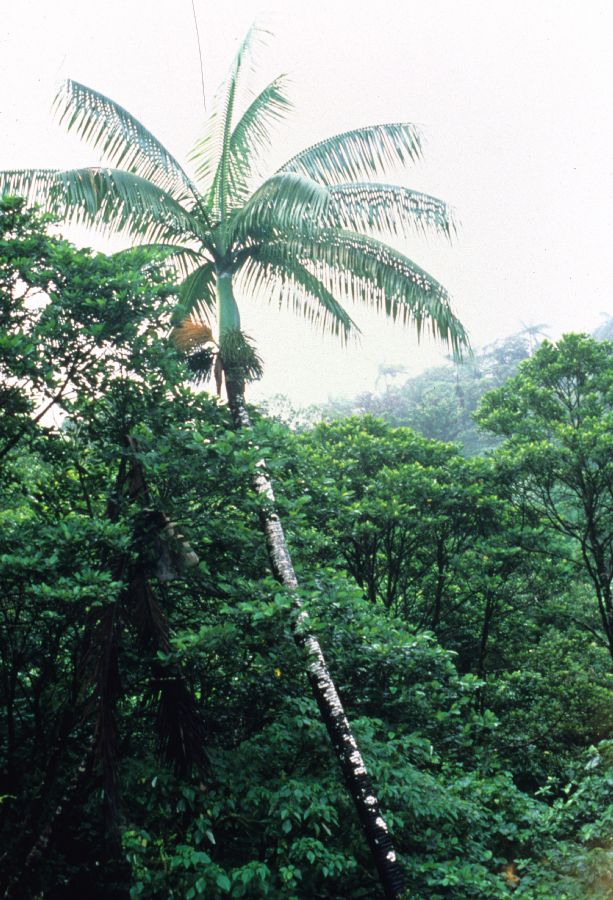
(158, 735)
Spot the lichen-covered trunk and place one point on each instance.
(324, 691)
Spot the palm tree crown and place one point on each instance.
(311, 235)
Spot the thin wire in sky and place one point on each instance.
(199, 55)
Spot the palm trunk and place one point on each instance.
(324, 691)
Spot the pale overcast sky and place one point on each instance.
(514, 99)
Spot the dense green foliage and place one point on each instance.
(162, 706)
(557, 414)
(439, 403)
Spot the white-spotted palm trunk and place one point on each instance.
(325, 693)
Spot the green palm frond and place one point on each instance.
(110, 199)
(205, 156)
(358, 154)
(251, 137)
(212, 153)
(197, 294)
(33, 185)
(389, 210)
(361, 268)
(183, 259)
(121, 201)
(286, 280)
(123, 140)
(286, 201)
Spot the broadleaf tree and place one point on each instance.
(311, 235)
(556, 416)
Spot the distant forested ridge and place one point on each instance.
(157, 735)
(439, 403)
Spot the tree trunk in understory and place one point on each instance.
(324, 691)
(181, 732)
(14, 889)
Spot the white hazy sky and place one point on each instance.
(514, 99)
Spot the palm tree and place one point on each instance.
(310, 235)
(532, 332)
(388, 372)
(604, 331)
